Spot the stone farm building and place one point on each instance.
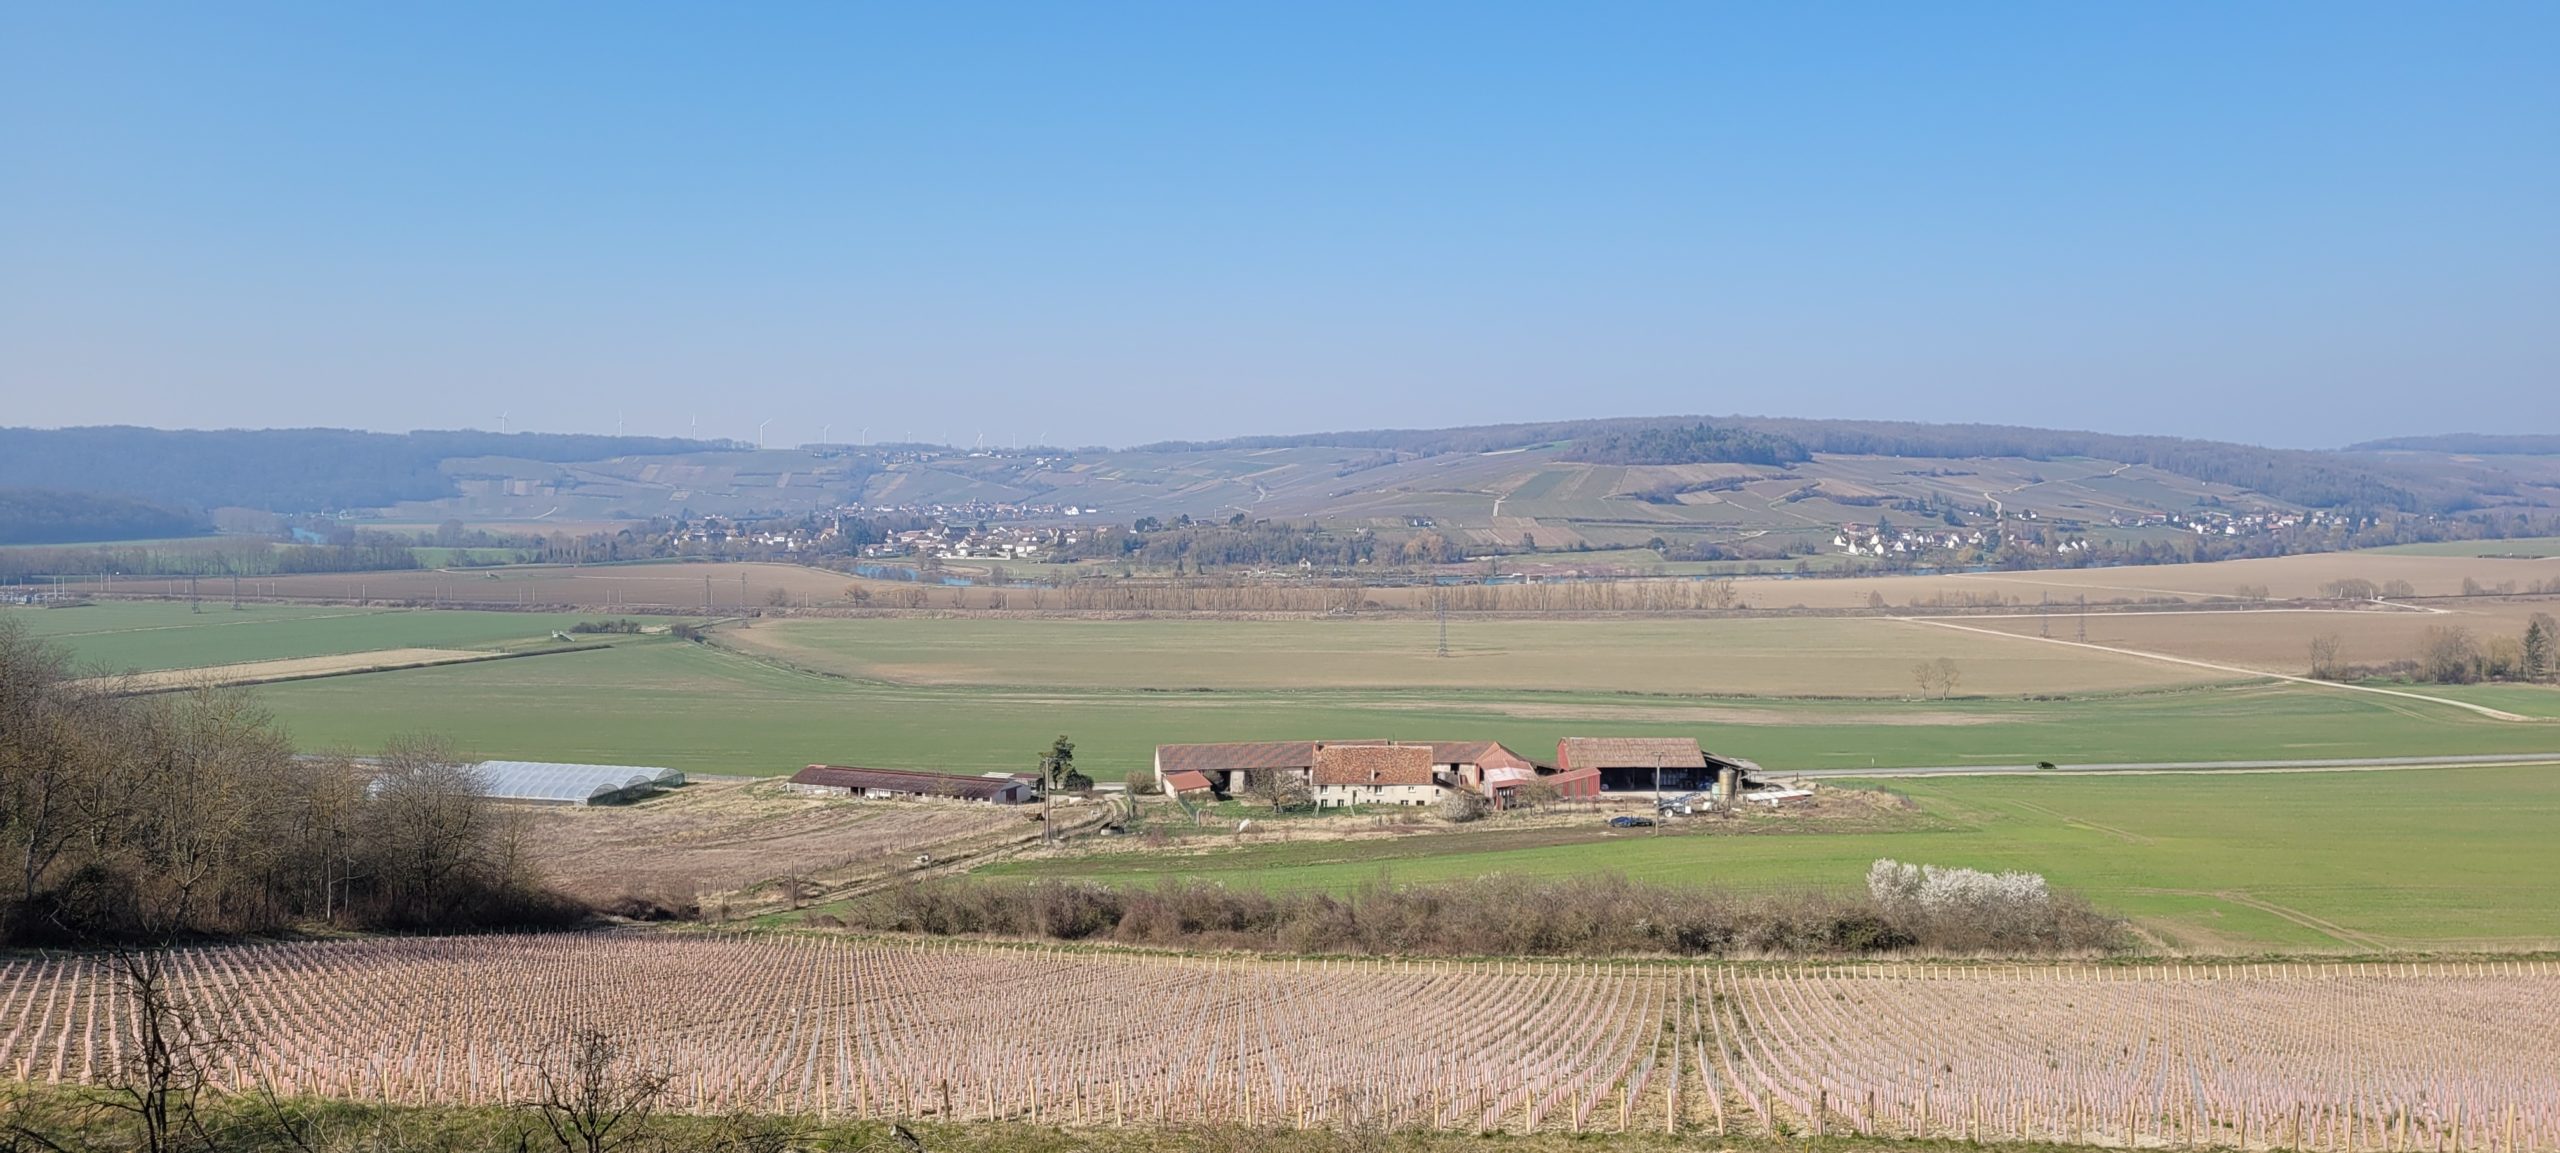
(1375, 774)
(904, 784)
(1236, 766)
(1240, 767)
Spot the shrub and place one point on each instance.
(1941, 910)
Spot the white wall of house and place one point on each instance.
(1338, 796)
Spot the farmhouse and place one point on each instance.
(1375, 774)
(1237, 766)
(903, 784)
(1467, 762)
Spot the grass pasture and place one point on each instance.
(710, 710)
(973, 695)
(2277, 640)
(679, 587)
(116, 637)
(1848, 657)
(2451, 859)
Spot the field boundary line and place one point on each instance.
(284, 678)
(2483, 710)
(2118, 610)
(2173, 768)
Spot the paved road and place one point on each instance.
(2191, 766)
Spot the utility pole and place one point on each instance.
(2044, 617)
(2084, 618)
(193, 605)
(1440, 602)
(1048, 775)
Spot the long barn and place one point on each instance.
(903, 784)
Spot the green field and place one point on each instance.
(710, 710)
(2235, 862)
(2299, 860)
(140, 637)
(1676, 656)
(656, 700)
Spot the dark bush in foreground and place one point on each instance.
(1490, 916)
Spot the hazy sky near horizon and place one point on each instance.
(2295, 224)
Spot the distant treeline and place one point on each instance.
(2312, 479)
(1699, 443)
(206, 558)
(284, 469)
(1183, 544)
(2468, 443)
(49, 516)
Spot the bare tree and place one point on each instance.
(2324, 657)
(52, 756)
(163, 1079)
(2448, 656)
(593, 1097)
(431, 821)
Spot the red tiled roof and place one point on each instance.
(1186, 781)
(1237, 755)
(1630, 753)
(905, 781)
(1373, 765)
(1481, 753)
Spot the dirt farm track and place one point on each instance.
(2399, 1056)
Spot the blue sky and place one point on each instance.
(2290, 224)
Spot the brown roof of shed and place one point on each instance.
(1630, 753)
(1186, 781)
(1373, 765)
(906, 781)
(1237, 755)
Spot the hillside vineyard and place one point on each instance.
(2399, 1056)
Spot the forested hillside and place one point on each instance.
(1696, 444)
(2295, 476)
(46, 516)
(283, 469)
(2473, 443)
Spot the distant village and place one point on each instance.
(2029, 530)
(965, 531)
